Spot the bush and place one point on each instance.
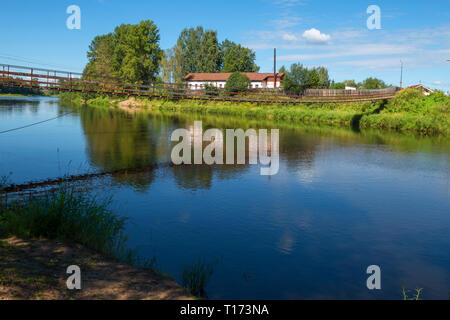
(237, 82)
(211, 90)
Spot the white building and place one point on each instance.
(426, 91)
(197, 81)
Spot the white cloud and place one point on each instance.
(288, 3)
(286, 22)
(289, 37)
(315, 36)
(351, 51)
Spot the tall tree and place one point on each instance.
(167, 65)
(136, 51)
(209, 55)
(313, 81)
(131, 51)
(373, 83)
(296, 79)
(236, 58)
(324, 77)
(100, 55)
(189, 42)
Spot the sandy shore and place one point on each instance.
(36, 269)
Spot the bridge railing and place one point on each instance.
(55, 80)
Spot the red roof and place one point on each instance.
(253, 76)
(420, 86)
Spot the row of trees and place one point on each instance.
(133, 52)
(368, 84)
(198, 51)
(299, 78)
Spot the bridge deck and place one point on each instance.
(62, 81)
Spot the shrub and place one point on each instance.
(237, 82)
(211, 90)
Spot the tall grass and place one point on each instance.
(69, 216)
(415, 297)
(410, 110)
(195, 278)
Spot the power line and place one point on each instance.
(36, 123)
(31, 61)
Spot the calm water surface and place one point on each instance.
(341, 202)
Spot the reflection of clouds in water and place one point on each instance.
(287, 242)
(308, 174)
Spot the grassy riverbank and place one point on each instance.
(15, 95)
(409, 111)
(71, 221)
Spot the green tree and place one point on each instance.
(100, 55)
(324, 77)
(235, 57)
(296, 79)
(373, 83)
(137, 52)
(189, 43)
(131, 51)
(337, 85)
(313, 81)
(237, 82)
(209, 56)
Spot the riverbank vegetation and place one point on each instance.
(70, 216)
(18, 91)
(410, 110)
(68, 219)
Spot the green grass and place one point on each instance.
(195, 278)
(415, 297)
(71, 97)
(408, 111)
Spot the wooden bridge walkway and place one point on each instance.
(63, 81)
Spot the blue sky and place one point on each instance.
(329, 33)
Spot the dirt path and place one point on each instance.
(36, 269)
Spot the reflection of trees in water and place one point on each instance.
(141, 181)
(17, 104)
(194, 177)
(116, 141)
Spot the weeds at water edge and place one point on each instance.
(195, 278)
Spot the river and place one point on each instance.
(341, 202)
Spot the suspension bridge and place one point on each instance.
(64, 81)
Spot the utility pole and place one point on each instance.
(401, 75)
(275, 69)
